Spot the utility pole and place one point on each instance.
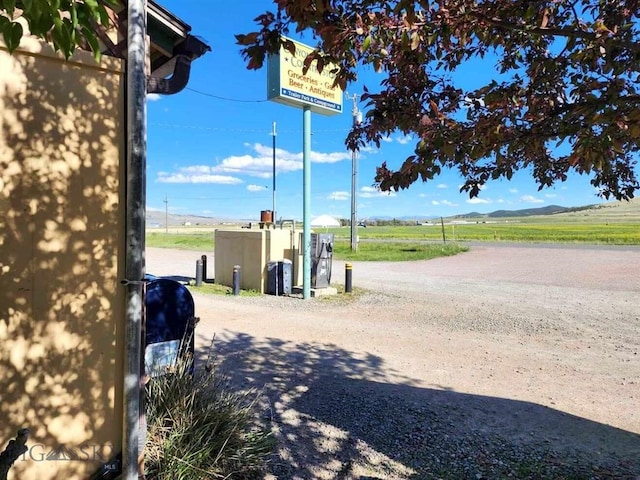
(132, 388)
(273, 132)
(357, 120)
(166, 214)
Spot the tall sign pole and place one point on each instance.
(313, 90)
(357, 120)
(306, 202)
(273, 132)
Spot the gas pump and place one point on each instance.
(321, 259)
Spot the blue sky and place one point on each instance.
(210, 146)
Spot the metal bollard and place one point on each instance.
(198, 273)
(348, 282)
(204, 268)
(236, 279)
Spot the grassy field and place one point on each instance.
(393, 251)
(194, 240)
(594, 233)
(426, 241)
(616, 223)
(388, 251)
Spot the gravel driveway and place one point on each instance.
(516, 361)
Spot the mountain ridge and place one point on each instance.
(157, 218)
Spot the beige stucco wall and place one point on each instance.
(252, 250)
(61, 214)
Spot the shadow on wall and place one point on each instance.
(330, 411)
(61, 307)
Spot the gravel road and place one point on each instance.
(516, 361)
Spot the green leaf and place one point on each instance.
(415, 40)
(42, 24)
(62, 38)
(104, 16)
(74, 16)
(366, 43)
(92, 40)
(9, 6)
(12, 33)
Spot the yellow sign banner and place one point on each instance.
(287, 84)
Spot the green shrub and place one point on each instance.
(200, 428)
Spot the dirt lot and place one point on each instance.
(500, 348)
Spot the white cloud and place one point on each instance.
(370, 192)
(531, 199)
(513, 190)
(259, 163)
(442, 186)
(369, 149)
(387, 139)
(404, 139)
(478, 201)
(334, 157)
(256, 188)
(153, 97)
(551, 195)
(340, 195)
(446, 203)
(185, 176)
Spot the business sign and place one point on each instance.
(288, 85)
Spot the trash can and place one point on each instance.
(279, 277)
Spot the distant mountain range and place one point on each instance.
(156, 218)
(548, 210)
(527, 212)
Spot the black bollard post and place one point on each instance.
(198, 273)
(236, 279)
(348, 270)
(204, 268)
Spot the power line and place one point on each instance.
(218, 97)
(245, 130)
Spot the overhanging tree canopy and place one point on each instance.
(564, 95)
(66, 24)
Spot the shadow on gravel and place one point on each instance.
(341, 415)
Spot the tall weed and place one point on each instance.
(200, 428)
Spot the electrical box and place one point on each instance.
(321, 259)
(279, 278)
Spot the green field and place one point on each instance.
(616, 223)
(594, 233)
(195, 240)
(395, 251)
(373, 239)
(389, 251)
